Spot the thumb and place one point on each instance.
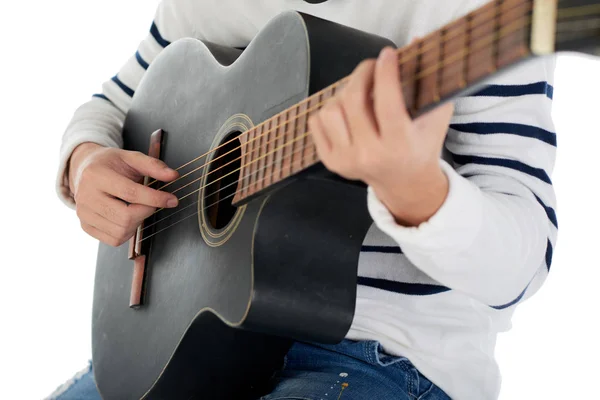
(149, 166)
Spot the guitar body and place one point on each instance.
(223, 300)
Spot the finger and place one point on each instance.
(389, 105)
(319, 136)
(125, 189)
(118, 212)
(149, 166)
(358, 104)
(333, 122)
(101, 236)
(102, 224)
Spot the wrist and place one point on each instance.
(79, 154)
(412, 203)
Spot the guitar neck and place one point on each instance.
(446, 63)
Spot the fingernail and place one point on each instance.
(172, 202)
(385, 54)
(388, 53)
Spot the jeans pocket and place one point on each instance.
(376, 355)
(416, 384)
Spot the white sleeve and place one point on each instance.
(494, 235)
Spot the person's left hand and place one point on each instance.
(365, 133)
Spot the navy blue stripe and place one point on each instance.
(549, 253)
(488, 128)
(549, 212)
(512, 303)
(140, 60)
(381, 249)
(101, 96)
(415, 289)
(501, 162)
(517, 90)
(156, 34)
(123, 87)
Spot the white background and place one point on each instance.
(55, 54)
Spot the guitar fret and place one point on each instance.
(269, 152)
(303, 131)
(467, 46)
(244, 137)
(302, 128)
(255, 154)
(309, 140)
(247, 166)
(441, 67)
(513, 44)
(418, 69)
(280, 141)
(262, 143)
(294, 127)
(259, 160)
(293, 143)
(428, 71)
(408, 74)
(315, 104)
(286, 146)
(452, 74)
(480, 59)
(498, 9)
(303, 143)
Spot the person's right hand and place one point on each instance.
(110, 202)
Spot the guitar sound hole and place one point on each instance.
(222, 183)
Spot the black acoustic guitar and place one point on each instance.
(263, 249)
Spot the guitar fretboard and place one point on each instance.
(432, 69)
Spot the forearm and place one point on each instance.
(486, 244)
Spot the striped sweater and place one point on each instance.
(438, 293)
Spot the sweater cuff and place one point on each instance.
(74, 140)
(452, 228)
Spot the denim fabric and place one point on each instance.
(346, 371)
(349, 371)
(80, 387)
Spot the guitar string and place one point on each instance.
(240, 190)
(424, 49)
(411, 55)
(238, 169)
(303, 149)
(581, 11)
(480, 44)
(495, 38)
(580, 29)
(564, 13)
(196, 212)
(224, 165)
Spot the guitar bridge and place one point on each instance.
(136, 250)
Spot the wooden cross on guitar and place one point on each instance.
(136, 250)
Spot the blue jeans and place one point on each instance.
(346, 371)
